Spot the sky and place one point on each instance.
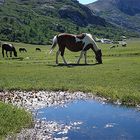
(86, 1)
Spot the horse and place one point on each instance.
(112, 46)
(22, 50)
(8, 47)
(75, 43)
(124, 45)
(38, 49)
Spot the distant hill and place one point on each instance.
(124, 13)
(37, 21)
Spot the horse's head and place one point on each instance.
(98, 56)
(14, 50)
(15, 53)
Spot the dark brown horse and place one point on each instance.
(75, 43)
(38, 49)
(22, 50)
(8, 48)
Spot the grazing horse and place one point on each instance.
(38, 49)
(22, 50)
(75, 43)
(8, 47)
(123, 45)
(112, 46)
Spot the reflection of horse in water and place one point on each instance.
(75, 43)
(22, 50)
(8, 48)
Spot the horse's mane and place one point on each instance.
(89, 35)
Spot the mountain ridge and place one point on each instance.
(119, 12)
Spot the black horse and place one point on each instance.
(22, 50)
(38, 49)
(9, 48)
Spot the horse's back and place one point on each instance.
(81, 36)
(7, 47)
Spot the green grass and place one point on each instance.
(117, 78)
(12, 119)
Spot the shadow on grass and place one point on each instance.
(72, 65)
(14, 58)
(18, 58)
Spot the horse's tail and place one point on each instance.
(54, 43)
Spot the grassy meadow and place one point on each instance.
(117, 78)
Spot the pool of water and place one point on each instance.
(88, 120)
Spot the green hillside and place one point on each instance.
(32, 21)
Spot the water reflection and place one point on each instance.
(88, 120)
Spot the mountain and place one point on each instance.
(124, 13)
(37, 21)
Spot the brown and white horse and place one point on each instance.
(75, 43)
(8, 48)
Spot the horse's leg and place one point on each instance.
(6, 54)
(57, 54)
(64, 60)
(10, 53)
(62, 54)
(2, 52)
(62, 50)
(85, 55)
(80, 57)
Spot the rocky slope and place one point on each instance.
(124, 13)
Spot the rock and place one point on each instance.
(80, 18)
(33, 100)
